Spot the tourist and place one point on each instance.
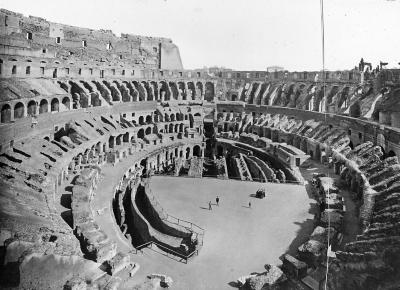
(217, 200)
(209, 205)
(249, 204)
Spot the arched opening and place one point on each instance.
(111, 142)
(148, 119)
(171, 128)
(209, 92)
(118, 140)
(172, 117)
(191, 120)
(199, 89)
(391, 154)
(31, 108)
(148, 131)
(197, 151)
(43, 106)
(234, 97)
(140, 133)
(143, 163)
(191, 90)
(125, 137)
(355, 110)
(66, 103)
(55, 105)
(187, 153)
(141, 120)
(5, 113)
(19, 110)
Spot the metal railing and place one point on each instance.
(199, 231)
(166, 250)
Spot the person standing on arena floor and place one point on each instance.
(249, 204)
(209, 205)
(217, 200)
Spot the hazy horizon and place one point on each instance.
(244, 35)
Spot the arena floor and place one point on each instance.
(238, 240)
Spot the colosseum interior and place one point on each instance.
(98, 133)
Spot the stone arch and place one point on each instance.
(148, 119)
(155, 90)
(150, 96)
(104, 91)
(43, 106)
(191, 90)
(19, 110)
(164, 91)
(141, 120)
(197, 151)
(118, 140)
(181, 88)
(141, 90)
(148, 131)
(111, 142)
(66, 102)
(333, 91)
(209, 92)
(115, 92)
(174, 90)
(140, 133)
(199, 89)
(355, 110)
(32, 108)
(187, 153)
(124, 92)
(319, 99)
(191, 121)
(79, 96)
(343, 98)
(55, 105)
(125, 137)
(5, 113)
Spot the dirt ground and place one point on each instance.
(239, 240)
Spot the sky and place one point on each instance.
(244, 34)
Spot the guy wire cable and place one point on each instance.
(325, 106)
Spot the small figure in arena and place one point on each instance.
(249, 204)
(209, 205)
(217, 200)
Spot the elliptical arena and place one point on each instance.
(98, 133)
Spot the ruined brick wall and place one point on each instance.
(37, 37)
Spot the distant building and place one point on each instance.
(274, 68)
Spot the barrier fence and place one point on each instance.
(166, 250)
